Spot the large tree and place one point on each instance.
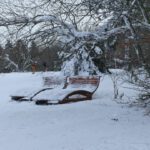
(76, 24)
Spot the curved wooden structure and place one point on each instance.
(84, 95)
(79, 88)
(49, 82)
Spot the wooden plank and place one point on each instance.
(84, 80)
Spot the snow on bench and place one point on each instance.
(78, 88)
(49, 82)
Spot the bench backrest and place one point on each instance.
(89, 83)
(54, 81)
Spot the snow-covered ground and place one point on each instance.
(100, 124)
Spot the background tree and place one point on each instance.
(21, 55)
(65, 21)
(7, 65)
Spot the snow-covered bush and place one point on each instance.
(79, 60)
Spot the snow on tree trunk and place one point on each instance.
(79, 62)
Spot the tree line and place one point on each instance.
(19, 57)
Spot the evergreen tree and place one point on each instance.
(20, 55)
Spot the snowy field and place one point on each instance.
(100, 124)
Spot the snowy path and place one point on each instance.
(101, 124)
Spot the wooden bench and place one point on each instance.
(49, 82)
(85, 88)
(78, 88)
